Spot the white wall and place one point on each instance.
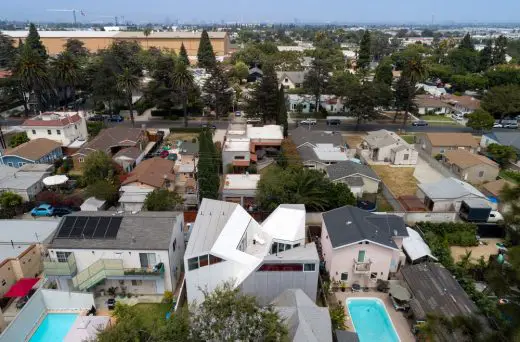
(26, 320)
(86, 257)
(229, 156)
(68, 134)
(59, 300)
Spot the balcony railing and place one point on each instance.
(55, 268)
(362, 267)
(154, 271)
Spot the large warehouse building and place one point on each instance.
(97, 40)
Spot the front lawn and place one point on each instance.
(435, 118)
(510, 175)
(409, 138)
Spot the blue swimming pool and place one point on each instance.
(371, 320)
(53, 328)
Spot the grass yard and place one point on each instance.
(509, 175)
(181, 136)
(409, 138)
(484, 250)
(435, 118)
(399, 180)
(382, 204)
(152, 313)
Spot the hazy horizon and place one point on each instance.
(196, 11)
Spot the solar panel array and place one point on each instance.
(87, 227)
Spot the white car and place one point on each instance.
(498, 125)
(308, 122)
(495, 217)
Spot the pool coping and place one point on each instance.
(380, 302)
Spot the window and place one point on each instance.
(193, 263)
(81, 160)
(49, 132)
(373, 275)
(286, 80)
(137, 282)
(243, 243)
(240, 157)
(309, 267)
(406, 156)
(277, 247)
(121, 282)
(10, 164)
(20, 164)
(481, 174)
(34, 131)
(281, 268)
(62, 256)
(442, 150)
(58, 132)
(361, 256)
(147, 260)
(174, 246)
(214, 259)
(344, 276)
(203, 260)
(75, 126)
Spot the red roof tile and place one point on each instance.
(52, 123)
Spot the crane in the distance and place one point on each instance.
(69, 10)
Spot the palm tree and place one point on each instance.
(308, 189)
(414, 71)
(127, 82)
(147, 31)
(66, 72)
(182, 82)
(31, 72)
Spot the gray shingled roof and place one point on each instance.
(305, 320)
(348, 224)
(146, 231)
(307, 153)
(302, 135)
(293, 76)
(506, 138)
(350, 168)
(436, 291)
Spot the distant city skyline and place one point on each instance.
(247, 11)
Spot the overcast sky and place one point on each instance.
(140, 11)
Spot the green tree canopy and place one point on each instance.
(502, 154)
(263, 101)
(103, 189)
(502, 101)
(205, 55)
(18, 139)
(480, 120)
(240, 71)
(10, 200)
(503, 75)
(34, 42)
(218, 92)
(183, 55)
(7, 51)
(98, 166)
(364, 56)
(301, 185)
(499, 52)
(76, 47)
(281, 118)
(208, 166)
(162, 200)
(467, 43)
(384, 72)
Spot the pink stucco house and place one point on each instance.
(361, 247)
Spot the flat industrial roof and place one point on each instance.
(237, 145)
(114, 34)
(265, 132)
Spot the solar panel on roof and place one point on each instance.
(101, 228)
(90, 227)
(66, 227)
(113, 227)
(78, 226)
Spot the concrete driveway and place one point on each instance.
(424, 173)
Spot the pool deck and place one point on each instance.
(400, 322)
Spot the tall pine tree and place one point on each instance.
(205, 55)
(499, 52)
(486, 57)
(263, 101)
(466, 43)
(364, 58)
(281, 118)
(33, 40)
(183, 55)
(218, 93)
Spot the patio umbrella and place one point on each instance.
(399, 292)
(55, 180)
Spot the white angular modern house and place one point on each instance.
(263, 259)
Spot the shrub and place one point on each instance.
(337, 317)
(513, 175)
(167, 297)
(438, 156)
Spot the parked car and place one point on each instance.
(238, 113)
(420, 123)
(308, 122)
(61, 212)
(253, 120)
(96, 117)
(116, 118)
(498, 125)
(333, 122)
(513, 125)
(208, 125)
(42, 210)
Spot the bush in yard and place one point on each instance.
(162, 200)
(49, 197)
(18, 139)
(103, 190)
(514, 175)
(337, 317)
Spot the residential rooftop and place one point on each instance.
(147, 230)
(241, 182)
(14, 179)
(18, 235)
(452, 139)
(465, 159)
(349, 168)
(34, 149)
(348, 225)
(154, 172)
(449, 188)
(52, 119)
(237, 145)
(268, 132)
(302, 135)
